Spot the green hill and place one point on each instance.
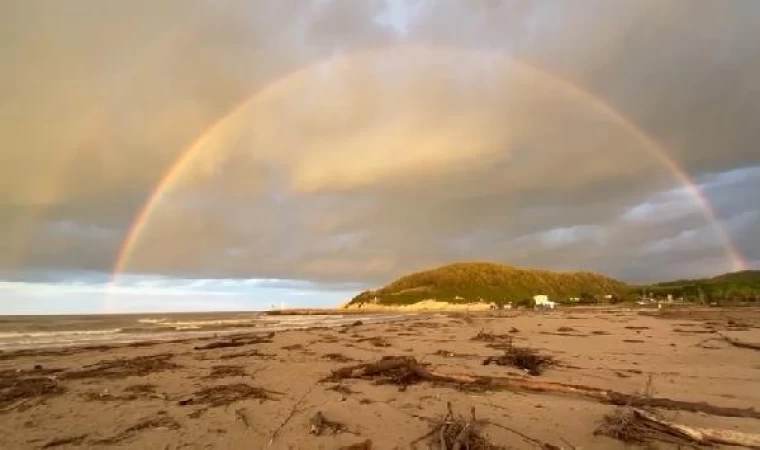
(490, 282)
(735, 286)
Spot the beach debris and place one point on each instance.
(566, 329)
(637, 426)
(225, 394)
(318, 424)
(237, 341)
(293, 347)
(69, 440)
(685, 331)
(19, 387)
(486, 336)
(293, 411)
(740, 344)
(400, 370)
(39, 353)
(220, 344)
(376, 341)
(125, 367)
(242, 415)
(160, 421)
(406, 370)
(364, 445)
(525, 358)
(450, 354)
(338, 357)
(223, 371)
(106, 396)
(141, 388)
(456, 433)
(341, 389)
(329, 339)
(249, 353)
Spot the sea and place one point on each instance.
(32, 332)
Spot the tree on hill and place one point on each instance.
(741, 286)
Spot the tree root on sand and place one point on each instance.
(457, 433)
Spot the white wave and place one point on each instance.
(62, 334)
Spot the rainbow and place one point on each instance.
(90, 121)
(186, 157)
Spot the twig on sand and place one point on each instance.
(243, 417)
(292, 413)
(524, 436)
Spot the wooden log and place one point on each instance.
(532, 385)
(740, 344)
(704, 436)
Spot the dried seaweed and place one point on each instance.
(223, 371)
(527, 359)
(69, 440)
(17, 390)
(226, 394)
(127, 367)
(158, 421)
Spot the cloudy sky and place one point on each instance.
(329, 146)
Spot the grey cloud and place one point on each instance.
(361, 169)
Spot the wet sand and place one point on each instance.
(262, 390)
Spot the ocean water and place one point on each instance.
(24, 332)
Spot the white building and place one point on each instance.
(542, 301)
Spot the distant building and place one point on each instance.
(542, 301)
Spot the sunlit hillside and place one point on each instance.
(491, 282)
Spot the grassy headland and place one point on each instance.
(490, 282)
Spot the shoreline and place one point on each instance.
(166, 330)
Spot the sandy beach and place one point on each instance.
(264, 389)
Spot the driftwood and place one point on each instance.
(406, 370)
(703, 435)
(635, 425)
(740, 344)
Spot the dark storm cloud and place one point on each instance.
(409, 160)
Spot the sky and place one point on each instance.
(329, 146)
